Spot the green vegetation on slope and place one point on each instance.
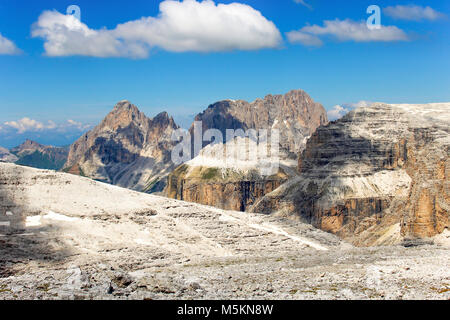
(40, 161)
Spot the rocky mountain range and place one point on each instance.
(130, 150)
(379, 175)
(223, 174)
(33, 154)
(126, 149)
(294, 114)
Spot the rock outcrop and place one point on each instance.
(235, 181)
(33, 154)
(6, 156)
(126, 149)
(294, 114)
(378, 175)
(225, 176)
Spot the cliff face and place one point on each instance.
(294, 114)
(33, 154)
(236, 196)
(217, 179)
(126, 149)
(378, 175)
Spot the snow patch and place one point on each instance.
(33, 221)
(281, 232)
(59, 217)
(240, 154)
(443, 239)
(5, 224)
(226, 218)
(143, 242)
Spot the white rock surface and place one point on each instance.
(74, 238)
(6, 156)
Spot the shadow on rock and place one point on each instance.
(20, 245)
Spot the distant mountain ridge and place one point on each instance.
(33, 154)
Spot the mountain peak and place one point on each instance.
(125, 106)
(124, 114)
(164, 120)
(123, 102)
(294, 113)
(162, 115)
(28, 144)
(128, 144)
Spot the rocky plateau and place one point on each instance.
(68, 237)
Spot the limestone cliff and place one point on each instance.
(126, 149)
(225, 176)
(378, 175)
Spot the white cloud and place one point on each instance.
(346, 30)
(302, 2)
(25, 125)
(360, 104)
(413, 13)
(180, 26)
(304, 38)
(66, 36)
(77, 125)
(339, 111)
(7, 47)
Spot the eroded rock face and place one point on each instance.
(225, 176)
(377, 167)
(224, 182)
(126, 149)
(294, 114)
(237, 196)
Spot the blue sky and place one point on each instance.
(405, 62)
